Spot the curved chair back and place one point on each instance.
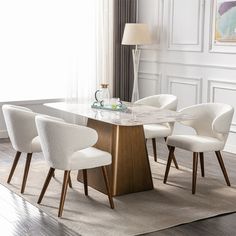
(20, 123)
(162, 101)
(210, 119)
(59, 140)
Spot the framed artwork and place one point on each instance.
(224, 22)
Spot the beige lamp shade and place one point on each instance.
(136, 34)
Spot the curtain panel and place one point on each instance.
(90, 63)
(124, 12)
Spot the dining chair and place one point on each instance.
(21, 128)
(211, 121)
(153, 131)
(68, 147)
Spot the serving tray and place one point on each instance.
(121, 107)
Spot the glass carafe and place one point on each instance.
(103, 95)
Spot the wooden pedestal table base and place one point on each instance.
(130, 170)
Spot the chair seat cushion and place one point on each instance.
(89, 158)
(35, 145)
(156, 131)
(195, 143)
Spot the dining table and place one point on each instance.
(121, 133)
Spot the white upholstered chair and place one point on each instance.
(153, 131)
(212, 123)
(20, 122)
(69, 147)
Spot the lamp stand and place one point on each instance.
(136, 57)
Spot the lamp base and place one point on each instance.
(136, 56)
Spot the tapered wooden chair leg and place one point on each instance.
(85, 180)
(194, 178)
(221, 162)
(70, 182)
(202, 164)
(171, 154)
(175, 162)
(27, 166)
(17, 156)
(154, 149)
(174, 159)
(63, 191)
(104, 171)
(46, 183)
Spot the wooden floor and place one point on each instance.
(18, 217)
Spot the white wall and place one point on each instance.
(183, 60)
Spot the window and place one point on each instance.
(38, 38)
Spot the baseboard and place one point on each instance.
(3, 134)
(32, 102)
(230, 148)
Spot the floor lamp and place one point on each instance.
(136, 34)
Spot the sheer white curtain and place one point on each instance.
(48, 44)
(91, 62)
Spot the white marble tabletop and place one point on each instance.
(136, 114)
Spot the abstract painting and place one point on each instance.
(225, 21)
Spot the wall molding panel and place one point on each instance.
(190, 81)
(185, 45)
(214, 84)
(149, 80)
(227, 86)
